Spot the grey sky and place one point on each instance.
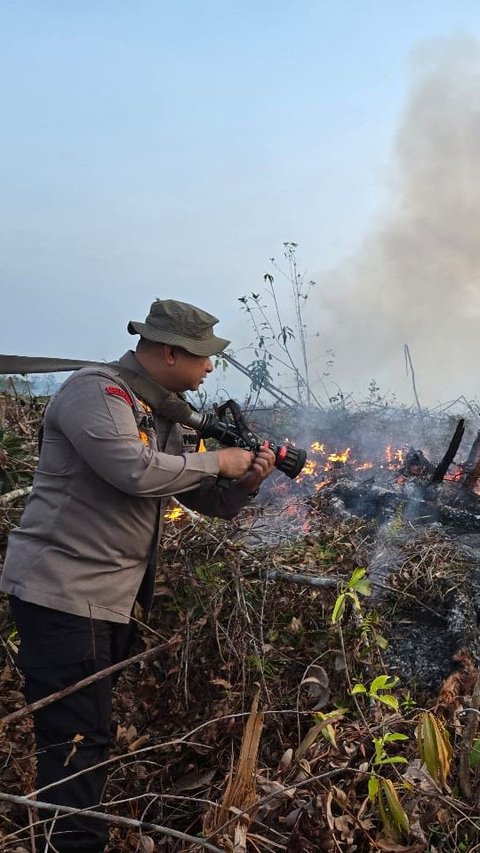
(152, 149)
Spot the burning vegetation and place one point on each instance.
(309, 678)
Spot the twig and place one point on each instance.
(9, 497)
(110, 818)
(149, 655)
(175, 742)
(409, 364)
(275, 392)
(329, 774)
(295, 577)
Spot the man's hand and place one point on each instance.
(234, 462)
(261, 468)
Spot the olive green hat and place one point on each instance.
(181, 325)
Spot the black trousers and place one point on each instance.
(58, 649)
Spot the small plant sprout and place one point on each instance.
(379, 690)
(356, 586)
(381, 757)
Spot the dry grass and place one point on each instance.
(190, 754)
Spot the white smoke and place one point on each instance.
(416, 279)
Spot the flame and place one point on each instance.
(318, 472)
(309, 468)
(455, 475)
(340, 457)
(322, 484)
(394, 457)
(174, 514)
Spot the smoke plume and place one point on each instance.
(416, 279)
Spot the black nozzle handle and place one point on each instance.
(290, 460)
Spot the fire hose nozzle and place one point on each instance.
(234, 432)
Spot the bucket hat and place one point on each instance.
(181, 325)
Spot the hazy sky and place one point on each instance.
(152, 149)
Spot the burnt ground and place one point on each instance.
(247, 623)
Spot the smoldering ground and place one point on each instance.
(416, 279)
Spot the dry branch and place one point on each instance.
(111, 818)
(303, 580)
(149, 655)
(9, 497)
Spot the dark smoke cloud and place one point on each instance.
(416, 279)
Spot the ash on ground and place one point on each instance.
(432, 602)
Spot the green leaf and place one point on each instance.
(383, 682)
(475, 754)
(364, 587)
(393, 736)
(354, 599)
(379, 750)
(310, 738)
(339, 608)
(397, 812)
(382, 643)
(329, 734)
(358, 688)
(388, 699)
(394, 759)
(330, 717)
(356, 576)
(434, 747)
(372, 788)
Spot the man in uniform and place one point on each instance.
(114, 451)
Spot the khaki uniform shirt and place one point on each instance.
(105, 475)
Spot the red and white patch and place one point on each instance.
(119, 392)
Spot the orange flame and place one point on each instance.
(455, 475)
(309, 468)
(322, 484)
(394, 457)
(174, 514)
(340, 457)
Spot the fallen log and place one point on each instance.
(417, 500)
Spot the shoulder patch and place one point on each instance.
(119, 392)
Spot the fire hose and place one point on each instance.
(227, 425)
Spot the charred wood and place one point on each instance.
(416, 464)
(460, 518)
(472, 465)
(419, 501)
(450, 454)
